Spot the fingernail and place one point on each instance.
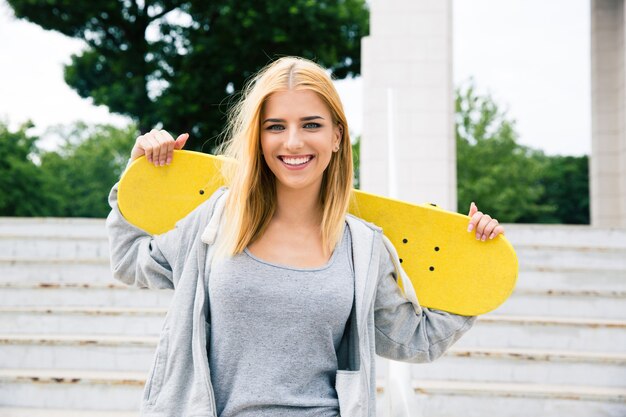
(483, 238)
(491, 236)
(169, 161)
(477, 236)
(470, 227)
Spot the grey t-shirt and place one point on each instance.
(274, 334)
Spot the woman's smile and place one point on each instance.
(296, 161)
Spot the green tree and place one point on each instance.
(566, 184)
(20, 178)
(356, 161)
(79, 175)
(493, 170)
(180, 62)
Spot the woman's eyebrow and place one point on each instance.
(303, 119)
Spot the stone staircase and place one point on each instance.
(75, 342)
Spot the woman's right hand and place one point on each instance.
(158, 146)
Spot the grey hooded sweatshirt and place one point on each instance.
(384, 319)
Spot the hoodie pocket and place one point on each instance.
(157, 373)
(350, 393)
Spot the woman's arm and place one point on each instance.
(405, 331)
(138, 258)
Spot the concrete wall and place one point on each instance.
(608, 88)
(407, 63)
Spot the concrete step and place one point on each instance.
(471, 399)
(58, 388)
(605, 259)
(516, 365)
(62, 412)
(52, 226)
(52, 247)
(566, 303)
(535, 332)
(77, 352)
(113, 294)
(533, 366)
(145, 321)
(565, 235)
(565, 279)
(55, 270)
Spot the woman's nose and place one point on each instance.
(293, 140)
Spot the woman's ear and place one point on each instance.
(338, 136)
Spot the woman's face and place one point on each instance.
(297, 138)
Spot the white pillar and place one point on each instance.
(409, 51)
(608, 114)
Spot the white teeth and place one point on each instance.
(296, 161)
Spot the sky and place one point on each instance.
(531, 56)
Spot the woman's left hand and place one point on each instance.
(484, 225)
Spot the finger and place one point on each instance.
(473, 209)
(490, 228)
(170, 152)
(150, 145)
(498, 230)
(181, 140)
(165, 142)
(138, 149)
(474, 220)
(480, 227)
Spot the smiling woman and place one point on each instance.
(297, 167)
(283, 299)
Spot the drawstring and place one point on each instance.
(210, 232)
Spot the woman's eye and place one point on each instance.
(312, 125)
(275, 127)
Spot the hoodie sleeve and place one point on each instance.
(142, 260)
(405, 331)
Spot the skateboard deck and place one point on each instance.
(449, 269)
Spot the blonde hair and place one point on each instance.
(251, 202)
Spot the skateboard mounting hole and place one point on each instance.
(404, 240)
(432, 268)
(400, 260)
(436, 248)
(201, 192)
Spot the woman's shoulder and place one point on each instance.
(358, 222)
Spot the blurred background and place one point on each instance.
(79, 82)
(517, 105)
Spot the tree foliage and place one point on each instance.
(79, 176)
(566, 183)
(356, 161)
(20, 179)
(73, 181)
(515, 183)
(179, 62)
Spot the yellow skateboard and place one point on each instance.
(450, 269)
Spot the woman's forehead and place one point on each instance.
(294, 103)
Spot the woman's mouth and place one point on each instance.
(296, 162)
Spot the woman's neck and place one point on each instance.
(298, 207)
